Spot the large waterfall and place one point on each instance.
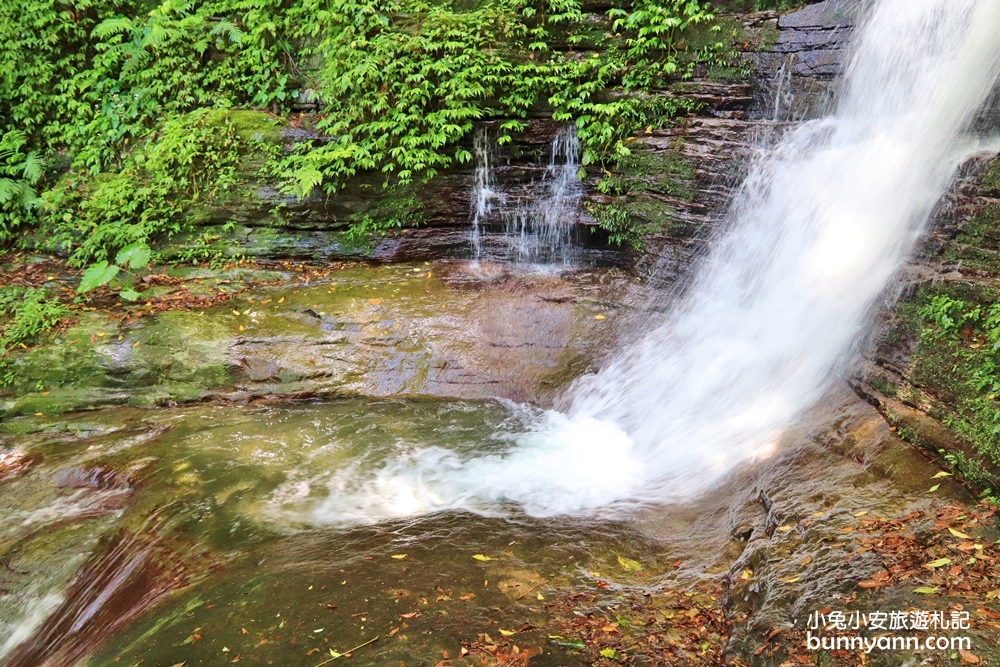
(815, 236)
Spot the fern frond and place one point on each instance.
(114, 26)
(31, 168)
(229, 30)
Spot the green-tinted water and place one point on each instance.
(199, 536)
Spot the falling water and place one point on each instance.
(538, 221)
(818, 230)
(484, 191)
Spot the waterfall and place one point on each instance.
(537, 222)
(484, 191)
(816, 233)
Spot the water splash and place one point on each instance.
(817, 232)
(537, 223)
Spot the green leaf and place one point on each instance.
(629, 564)
(940, 562)
(129, 295)
(97, 275)
(135, 255)
(482, 557)
(926, 590)
(609, 653)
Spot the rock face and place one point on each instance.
(796, 58)
(808, 53)
(449, 329)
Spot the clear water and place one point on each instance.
(201, 532)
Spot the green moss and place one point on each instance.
(646, 170)
(255, 125)
(955, 362)
(716, 45)
(883, 385)
(991, 179)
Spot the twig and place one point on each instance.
(341, 655)
(529, 590)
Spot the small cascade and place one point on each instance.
(535, 224)
(784, 97)
(484, 191)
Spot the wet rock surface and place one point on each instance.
(447, 329)
(920, 380)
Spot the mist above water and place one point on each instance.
(815, 235)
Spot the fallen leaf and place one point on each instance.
(968, 658)
(926, 590)
(941, 474)
(609, 653)
(281, 300)
(507, 633)
(540, 596)
(934, 488)
(481, 557)
(784, 529)
(869, 583)
(376, 301)
(940, 562)
(598, 317)
(466, 596)
(958, 533)
(399, 556)
(236, 312)
(629, 564)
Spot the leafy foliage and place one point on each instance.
(19, 172)
(962, 347)
(193, 157)
(92, 75)
(26, 313)
(133, 96)
(404, 80)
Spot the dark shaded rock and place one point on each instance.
(793, 41)
(818, 64)
(825, 15)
